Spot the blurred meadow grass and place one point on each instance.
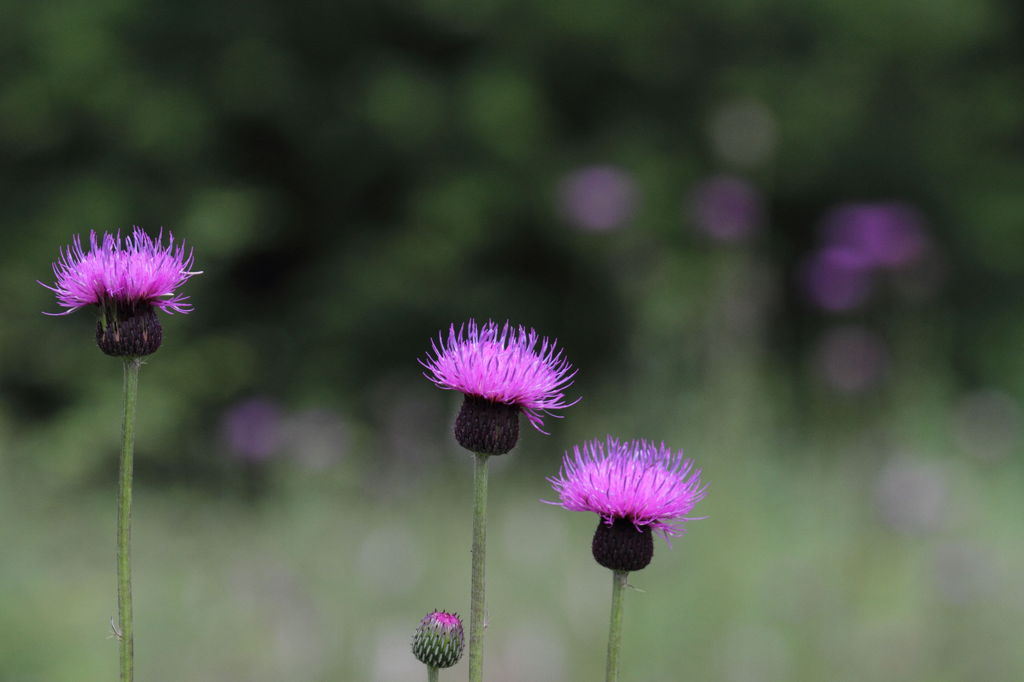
(807, 568)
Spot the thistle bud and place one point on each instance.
(439, 640)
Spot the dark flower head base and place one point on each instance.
(502, 371)
(128, 280)
(637, 488)
(128, 330)
(622, 546)
(487, 427)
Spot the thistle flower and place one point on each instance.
(128, 280)
(439, 640)
(502, 372)
(636, 487)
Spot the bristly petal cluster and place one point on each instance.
(503, 364)
(639, 481)
(135, 270)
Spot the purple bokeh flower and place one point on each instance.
(852, 359)
(439, 639)
(862, 239)
(316, 437)
(502, 364)
(743, 132)
(885, 235)
(965, 571)
(253, 429)
(836, 279)
(636, 481)
(130, 271)
(598, 198)
(913, 495)
(989, 424)
(726, 208)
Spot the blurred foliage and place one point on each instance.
(356, 176)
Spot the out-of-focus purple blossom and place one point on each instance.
(726, 208)
(921, 280)
(316, 438)
(964, 571)
(252, 429)
(852, 359)
(989, 424)
(912, 495)
(836, 279)
(598, 198)
(886, 235)
(743, 132)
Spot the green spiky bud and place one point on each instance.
(439, 641)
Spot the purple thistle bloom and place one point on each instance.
(128, 280)
(636, 487)
(138, 270)
(502, 371)
(637, 481)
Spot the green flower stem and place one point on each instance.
(432, 674)
(124, 520)
(615, 629)
(476, 596)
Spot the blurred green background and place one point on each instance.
(787, 237)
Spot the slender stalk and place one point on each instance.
(615, 629)
(476, 595)
(432, 674)
(124, 520)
